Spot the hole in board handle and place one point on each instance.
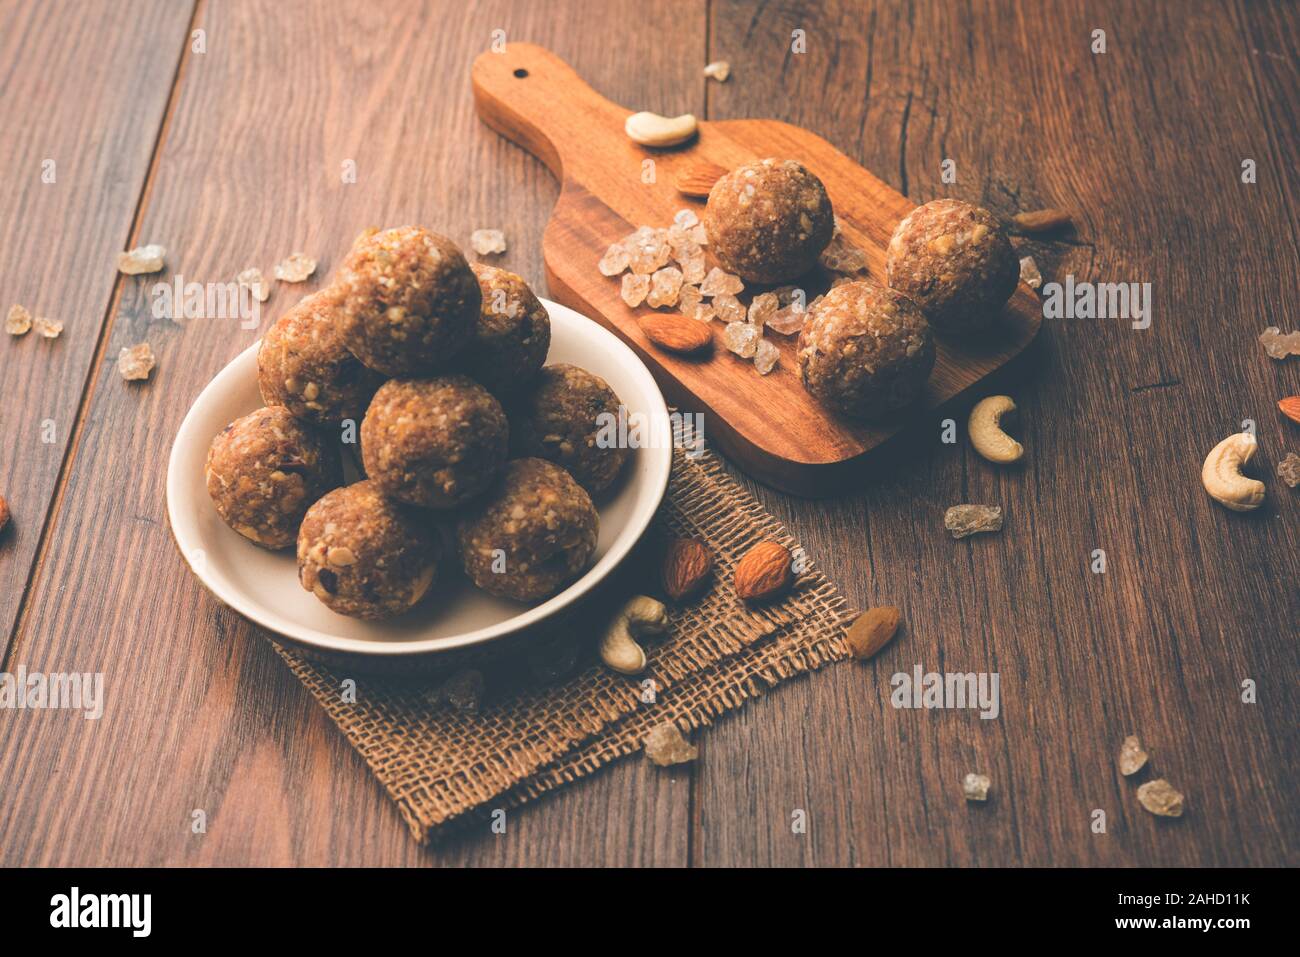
(521, 73)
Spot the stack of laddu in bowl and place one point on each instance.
(443, 364)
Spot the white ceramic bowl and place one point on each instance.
(263, 586)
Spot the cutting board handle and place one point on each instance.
(533, 98)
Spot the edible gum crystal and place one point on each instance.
(1161, 798)
(487, 242)
(1279, 346)
(297, 268)
(741, 338)
(1288, 470)
(664, 745)
(1131, 756)
(635, 288)
(765, 357)
(963, 520)
(975, 787)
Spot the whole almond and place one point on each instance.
(764, 572)
(677, 333)
(687, 564)
(696, 179)
(1041, 220)
(872, 630)
(1290, 407)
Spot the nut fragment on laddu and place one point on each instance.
(252, 278)
(297, 268)
(136, 362)
(975, 787)
(1131, 756)
(718, 70)
(964, 520)
(487, 242)
(142, 260)
(47, 328)
(1161, 798)
(18, 322)
(664, 745)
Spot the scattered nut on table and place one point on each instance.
(1221, 473)
(651, 129)
(1161, 798)
(987, 434)
(640, 617)
(872, 630)
(1131, 756)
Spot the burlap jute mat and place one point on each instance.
(535, 732)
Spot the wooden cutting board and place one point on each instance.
(769, 425)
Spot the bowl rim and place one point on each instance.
(187, 539)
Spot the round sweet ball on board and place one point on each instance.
(767, 222)
(955, 261)
(865, 351)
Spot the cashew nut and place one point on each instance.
(651, 129)
(985, 428)
(640, 617)
(1221, 474)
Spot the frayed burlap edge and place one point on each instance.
(444, 767)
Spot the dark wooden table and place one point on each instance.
(233, 156)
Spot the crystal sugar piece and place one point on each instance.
(665, 285)
(963, 520)
(1279, 345)
(487, 242)
(700, 234)
(297, 268)
(48, 328)
(1161, 798)
(252, 278)
(615, 260)
(685, 218)
(693, 267)
(788, 320)
(763, 308)
(1131, 756)
(840, 255)
(136, 362)
(650, 253)
(18, 321)
(765, 357)
(1288, 470)
(141, 260)
(741, 338)
(664, 745)
(728, 308)
(1029, 273)
(689, 299)
(635, 288)
(975, 787)
(719, 283)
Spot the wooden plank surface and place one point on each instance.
(81, 103)
(1144, 143)
(251, 170)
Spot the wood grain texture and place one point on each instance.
(201, 712)
(769, 425)
(1143, 143)
(81, 102)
